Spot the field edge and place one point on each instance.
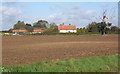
(89, 64)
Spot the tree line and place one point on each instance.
(99, 28)
(93, 28)
(43, 24)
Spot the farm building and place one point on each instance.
(67, 29)
(38, 30)
(21, 31)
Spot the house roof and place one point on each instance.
(38, 30)
(19, 30)
(67, 27)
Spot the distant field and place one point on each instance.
(89, 64)
(21, 50)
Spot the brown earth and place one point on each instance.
(31, 49)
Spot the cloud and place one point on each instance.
(77, 16)
(9, 4)
(11, 13)
(74, 15)
(9, 16)
(105, 5)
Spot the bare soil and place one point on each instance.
(21, 50)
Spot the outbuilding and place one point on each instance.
(20, 31)
(38, 30)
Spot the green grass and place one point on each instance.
(89, 64)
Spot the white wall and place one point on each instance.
(67, 31)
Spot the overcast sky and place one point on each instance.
(75, 13)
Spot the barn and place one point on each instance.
(67, 29)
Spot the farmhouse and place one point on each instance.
(67, 29)
(20, 31)
(38, 30)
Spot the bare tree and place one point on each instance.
(107, 15)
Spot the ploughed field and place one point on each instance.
(21, 50)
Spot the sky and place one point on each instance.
(74, 13)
